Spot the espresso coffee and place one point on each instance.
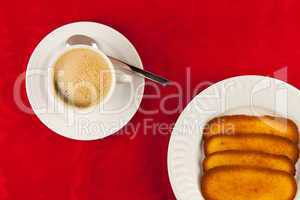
(82, 77)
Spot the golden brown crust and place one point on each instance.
(264, 143)
(244, 124)
(247, 183)
(248, 158)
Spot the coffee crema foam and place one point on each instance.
(82, 77)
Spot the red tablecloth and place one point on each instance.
(215, 39)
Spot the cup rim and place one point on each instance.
(61, 103)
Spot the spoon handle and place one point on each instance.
(146, 74)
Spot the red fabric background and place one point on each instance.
(216, 39)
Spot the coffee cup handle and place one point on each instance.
(123, 75)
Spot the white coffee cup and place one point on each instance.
(116, 78)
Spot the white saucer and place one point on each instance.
(252, 95)
(84, 125)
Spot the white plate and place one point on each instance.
(84, 125)
(253, 95)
